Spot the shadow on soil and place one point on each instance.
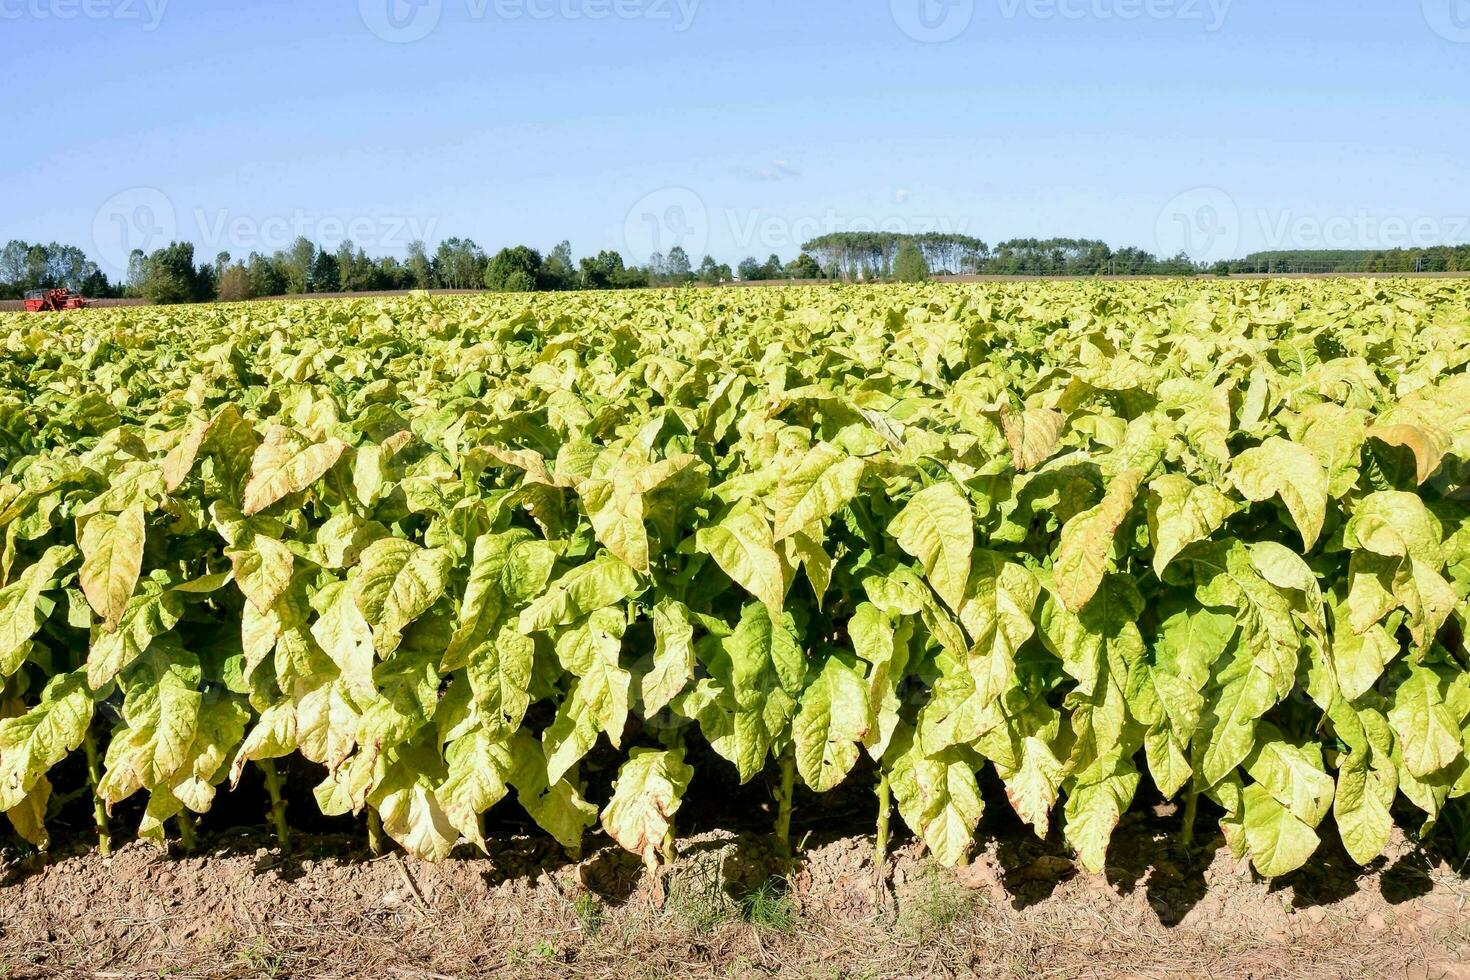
(1018, 867)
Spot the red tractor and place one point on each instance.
(52, 301)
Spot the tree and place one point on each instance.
(607, 271)
(559, 271)
(393, 274)
(909, 265)
(296, 265)
(206, 284)
(266, 276)
(169, 275)
(356, 272)
(24, 266)
(326, 274)
(713, 273)
(137, 272)
(459, 264)
(803, 267)
(514, 270)
(677, 266)
(13, 266)
(234, 284)
(751, 269)
(420, 269)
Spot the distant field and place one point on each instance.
(15, 305)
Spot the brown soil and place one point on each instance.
(1022, 909)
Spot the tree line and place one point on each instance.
(173, 274)
(1440, 258)
(872, 255)
(25, 266)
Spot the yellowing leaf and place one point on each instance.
(112, 558)
(743, 546)
(646, 795)
(1280, 843)
(937, 527)
(1362, 807)
(480, 765)
(673, 656)
(287, 463)
(1087, 539)
(938, 798)
(32, 743)
(1428, 733)
(1181, 512)
(19, 613)
(397, 583)
(602, 582)
(820, 486)
(1033, 435)
(1279, 467)
(830, 722)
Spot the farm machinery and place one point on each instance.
(52, 301)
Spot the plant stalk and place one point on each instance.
(99, 806)
(783, 812)
(885, 805)
(377, 840)
(187, 840)
(274, 783)
(1191, 810)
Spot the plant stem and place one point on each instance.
(783, 813)
(99, 806)
(377, 842)
(187, 841)
(273, 785)
(1191, 810)
(885, 804)
(671, 850)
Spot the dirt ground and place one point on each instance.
(239, 909)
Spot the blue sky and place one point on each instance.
(734, 126)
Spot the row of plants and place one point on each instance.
(1209, 535)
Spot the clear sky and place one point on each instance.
(734, 126)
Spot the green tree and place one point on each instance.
(420, 269)
(326, 275)
(677, 267)
(169, 275)
(603, 272)
(459, 264)
(266, 276)
(713, 273)
(514, 270)
(296, 264)
(803, 267)
(559, 271)
(909, 265)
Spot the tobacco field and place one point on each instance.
(1205, 540)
